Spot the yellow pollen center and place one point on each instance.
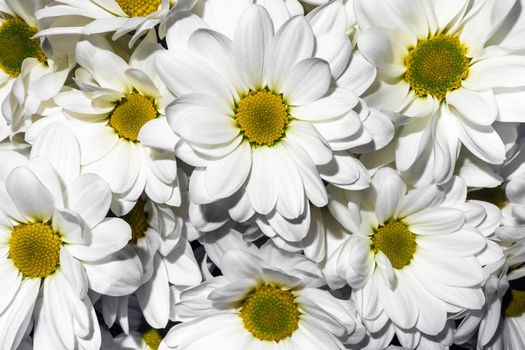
(436, 66)
(516, 304)
(495, 195)
(152, 338)
(137, 218)
(139, 8)
(262, 117)
(270, 313)
(130, 114)
(16, 45)
(396, 241)
(35, 249)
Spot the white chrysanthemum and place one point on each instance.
(413, 257)
(30, 72)
(266, 300)
(107, 115)
(500, 323)
(263, 119)
(103, 16)
(56, 243)
(167, 259)
(453, 68)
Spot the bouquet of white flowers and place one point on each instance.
(262, 174)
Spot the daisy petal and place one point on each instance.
(225, 176)
(308, 81)
(89, 196)
(436, 221)
(252, 35)
(30, 196)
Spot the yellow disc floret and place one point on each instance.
(16, 45)
(262, 117)
(516, 304)
(130, 114)
(270, 313)
(396, 241)
(436, 66)
(137, 218)
(35, 249)
(139, 8)
(495, 195)
(152, 338)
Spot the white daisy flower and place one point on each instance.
(257, 305)
(412, 257)
(103, 16)
(453, 68)
(500, 323)
(260, 119)
(107, 115)
(55, 243)
(166, 257)
(29, 75)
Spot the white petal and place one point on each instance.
(58, 144)
(11, 279)
(307, 81)
(389, 193)
(106, 238)
(31, 197)
(292, 43)
(435, 221)
(119, 274)
(225, 176)
(70, 226)
(185, 73)
(261, 188)
(383, 49)
(238, 264)
(419, 199)
(107, 68)
(154, 296)
(201, 119)
(482, 141)
(477, 107)
(17, 317)
(336, 103)
(208, 43)
(89, 196)
(252, 35)
(499, 71)
(157, 134)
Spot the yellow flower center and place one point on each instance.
(152, 338)
(262, 117)
(396, 241)
(130, 114)
(137, 218)
(270, 313)
(139, 8)
(436, 66)
(516, 303)
(495, 195)
(35, 249)
(16, 45)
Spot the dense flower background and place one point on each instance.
(262, 174)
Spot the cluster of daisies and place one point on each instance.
(262, 174)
